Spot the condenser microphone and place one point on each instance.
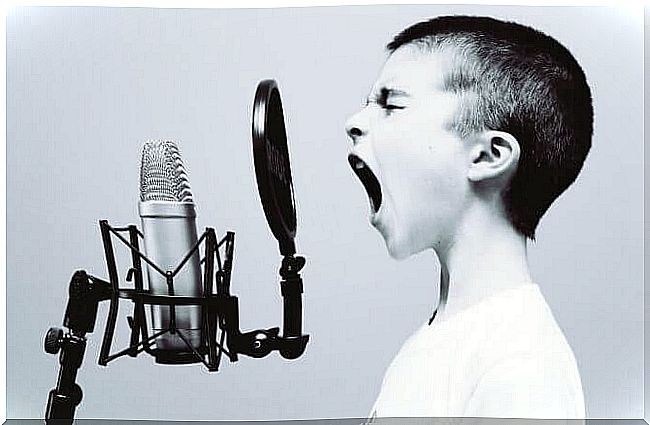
(168, 217)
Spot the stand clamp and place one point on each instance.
(259, 343)
(293, 342)
(85, 293)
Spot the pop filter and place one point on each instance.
(272, 165)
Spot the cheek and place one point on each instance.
(446, 162)
(420, 163)
(434, 192)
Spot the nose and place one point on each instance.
(356, 128)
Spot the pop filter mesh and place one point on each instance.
(272, 165)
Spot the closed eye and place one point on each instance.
(389, 107)
(382, 102)
(384, 98)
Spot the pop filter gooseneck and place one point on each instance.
(272, 165)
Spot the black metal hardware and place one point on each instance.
(219, 310)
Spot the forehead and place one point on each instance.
(415, 69)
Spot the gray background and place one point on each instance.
(85, 88)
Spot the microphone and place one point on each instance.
(186, 314)
(168, 217)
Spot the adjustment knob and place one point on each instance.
(53, 340)
(76, 394)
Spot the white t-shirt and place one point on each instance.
(503, 357)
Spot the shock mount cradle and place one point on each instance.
(219, 312)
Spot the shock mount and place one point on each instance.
(220, 333)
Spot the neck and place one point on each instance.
(487, 256)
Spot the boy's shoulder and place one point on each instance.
(508, 342)
(515, 323)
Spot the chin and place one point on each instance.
(402, 246)
(399, 249)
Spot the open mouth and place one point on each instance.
(368, 179)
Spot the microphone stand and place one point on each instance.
(85, 293)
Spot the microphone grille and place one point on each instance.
(162, 174)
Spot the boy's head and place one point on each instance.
(469, 108)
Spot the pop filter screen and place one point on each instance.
(272, 165)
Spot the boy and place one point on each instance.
(473, 128)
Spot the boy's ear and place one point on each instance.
(494, 154)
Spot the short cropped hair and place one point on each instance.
(516, 79)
